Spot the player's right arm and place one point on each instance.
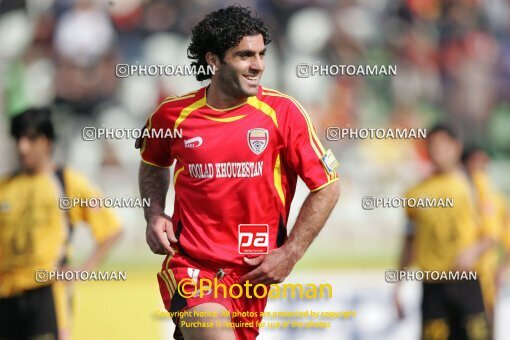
(407, 248)
(103, 222)
(153, 182)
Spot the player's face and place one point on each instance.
(33, 151)
(478, 162)
(242, 67)
(444, 151)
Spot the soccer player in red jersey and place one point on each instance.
(242, 148)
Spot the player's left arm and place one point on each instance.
(277, 265)
(103, 222)
(316, 167)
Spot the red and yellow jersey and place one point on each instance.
(34, 230)
(236, 167)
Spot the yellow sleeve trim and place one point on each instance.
(159, 166)
(167, 100)
(314, 140)
(176, 174)
(325, 185)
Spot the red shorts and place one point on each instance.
(179, 267)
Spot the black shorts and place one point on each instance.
(29, 315)
(454, 310)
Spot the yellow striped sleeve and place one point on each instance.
(314, 139)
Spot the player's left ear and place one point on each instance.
(213, 60)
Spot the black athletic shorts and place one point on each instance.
(453, 310)
(30, 315)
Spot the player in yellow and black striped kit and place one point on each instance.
(448, 239)
(35, 233)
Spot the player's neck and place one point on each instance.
(447, 171)
(45, 166)
(219, 99)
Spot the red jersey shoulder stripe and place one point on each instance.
(314, 139)
(170, 103)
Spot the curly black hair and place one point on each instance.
(221, 30)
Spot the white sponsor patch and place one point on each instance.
(329, 161)
(193, 142)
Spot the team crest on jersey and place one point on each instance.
(257, 140)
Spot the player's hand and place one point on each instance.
(160, 234)
(271, 268)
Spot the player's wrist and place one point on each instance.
(153, 213)
(294, 251)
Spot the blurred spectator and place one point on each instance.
(84, 40)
